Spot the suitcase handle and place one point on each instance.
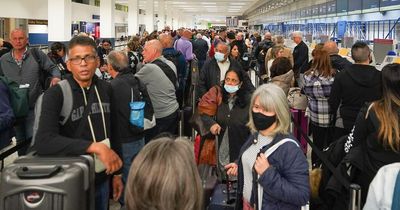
(37, 172)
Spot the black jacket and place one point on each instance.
(210, 76)
(63, 140)
(123, 131)
(6, 117)
(300, 57)
(351, 89)
(200, 49)
(339, 63)
(235, 120)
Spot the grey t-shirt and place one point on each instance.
(160, 88)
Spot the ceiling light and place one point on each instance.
(237, 3)
(209, 3)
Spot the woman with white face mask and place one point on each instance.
(224, 111)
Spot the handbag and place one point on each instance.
(136, 117)
(296, 99)
(99, 166)
(197, 123)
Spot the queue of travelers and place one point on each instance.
(154, 74)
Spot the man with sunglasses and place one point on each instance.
(87, 129)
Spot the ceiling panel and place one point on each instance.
(208, 10)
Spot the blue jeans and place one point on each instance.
(129, 151)
(102, 196)
(24, 131)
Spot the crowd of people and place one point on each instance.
(114, 104)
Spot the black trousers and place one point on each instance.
(166, 124)
(321, 138)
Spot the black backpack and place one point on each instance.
(174, 58)
(265, 46)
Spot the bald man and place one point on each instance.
(338, 62)
(159, 75)
(20, 65)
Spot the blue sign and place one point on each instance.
(341, 28)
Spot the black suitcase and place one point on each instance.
(222, 198)
(43, 183)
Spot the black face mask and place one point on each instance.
(262, 122)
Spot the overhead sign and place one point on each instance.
(37, 22)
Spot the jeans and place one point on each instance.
(129, 151)
(102, 195)
(165, 124)
(24, 131)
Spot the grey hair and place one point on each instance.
(297, 34)
(118, 60)
(271, 98)
(199, 36)
(226, 45)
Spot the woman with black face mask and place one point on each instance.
(224, 112)
(270, 180)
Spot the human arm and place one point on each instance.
(202, 84)
(335, 96)
(291, 182)
(6, 112)
(231, 169)
(50, 67)
(118, 187)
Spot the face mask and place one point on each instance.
(262, 122)
(231, 88)
(219, 56)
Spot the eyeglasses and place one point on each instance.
(78, 60)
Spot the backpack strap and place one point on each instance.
(65, 110)
(67, 104)
(168, 71)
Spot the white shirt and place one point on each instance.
(223, 67)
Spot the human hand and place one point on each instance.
(231, 169)
(215, 129)
(261, 164)
(54, 81)
(118, 187)
(107, 156)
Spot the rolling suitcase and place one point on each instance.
(209, 181)
(301, 120)
(224, 197)
(42, 183)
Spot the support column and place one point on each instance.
(133, 17)
(59, 21)
(107, 25)
(149, 17)
(161, 15)
(169, 16)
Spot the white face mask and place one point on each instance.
(219, 56)
(231, 88)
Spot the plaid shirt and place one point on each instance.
(318, 90)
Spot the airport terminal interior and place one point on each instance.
(208, 75)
